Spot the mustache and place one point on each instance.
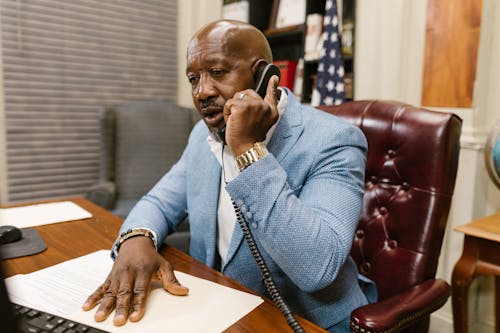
(210, 104)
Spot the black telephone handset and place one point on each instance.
(262, 76)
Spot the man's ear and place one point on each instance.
(257, 69)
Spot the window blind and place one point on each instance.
(64, 61)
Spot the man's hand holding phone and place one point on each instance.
(249, 117)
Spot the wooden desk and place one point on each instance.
(70, 240)
(480, 256)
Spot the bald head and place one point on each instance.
(234, 38)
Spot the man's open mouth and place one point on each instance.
(212, 115)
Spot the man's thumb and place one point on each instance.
(272, 90)
(170, 283)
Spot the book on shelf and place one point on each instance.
(348, 37)
(348, 86)
(313, 41)
(315, 96)
(299, 79)
(289, 13)
(287, 71)
(236, 10)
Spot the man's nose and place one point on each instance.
(206, 88)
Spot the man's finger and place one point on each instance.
(107, 305)
(227, 110)
(140, 297)
(96, 296)
(169, 281)
(122, 305)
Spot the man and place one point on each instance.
(299, 185)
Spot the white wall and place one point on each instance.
(390, 42)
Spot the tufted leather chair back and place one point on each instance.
(410, 176)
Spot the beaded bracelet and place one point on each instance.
(133, 233)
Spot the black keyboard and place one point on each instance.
(34, 321)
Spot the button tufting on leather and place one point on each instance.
(405, 186)
(393, 244)
(365, 267)
(373, 179)
(360, 233)
(383, 210)
(391, 153)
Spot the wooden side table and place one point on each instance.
(480, 256)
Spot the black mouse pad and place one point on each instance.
(30, 243)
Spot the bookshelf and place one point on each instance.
(288, 42)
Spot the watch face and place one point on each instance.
(251, 156)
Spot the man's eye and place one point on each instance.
(217, 72)
(193, 79)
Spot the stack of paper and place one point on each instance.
(62, 289)
(47, 213)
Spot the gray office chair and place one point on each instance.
(140, 142)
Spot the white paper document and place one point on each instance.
(46, 213)
(62, 289)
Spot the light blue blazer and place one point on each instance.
(302, 202)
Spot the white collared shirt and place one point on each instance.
(226, 216)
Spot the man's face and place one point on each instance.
(216, 72)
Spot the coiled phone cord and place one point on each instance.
(266, 275)
(264, 271)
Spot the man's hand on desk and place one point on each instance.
(128, 284)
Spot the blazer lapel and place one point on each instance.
(288, 130)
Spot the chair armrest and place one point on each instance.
(402, 310)
(102, 194)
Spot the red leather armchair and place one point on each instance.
(410, 176)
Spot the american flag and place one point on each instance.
(330, 80)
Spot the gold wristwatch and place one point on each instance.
(252, 155)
